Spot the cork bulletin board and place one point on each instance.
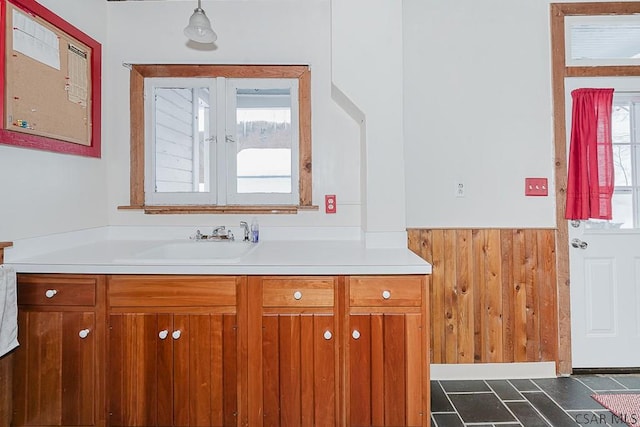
(51, 75)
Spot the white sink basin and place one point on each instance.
(196, 252)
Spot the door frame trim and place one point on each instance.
(559, 72)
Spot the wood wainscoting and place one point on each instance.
(493, 294)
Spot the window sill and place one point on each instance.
(229, 209)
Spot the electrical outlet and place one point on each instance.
(459, 189)
(330, 203)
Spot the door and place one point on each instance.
(173, 369)
(385, 370)
(54, 372)
(605, 256)
(299, 376)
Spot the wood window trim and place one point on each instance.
(559, 72)
(137, 119)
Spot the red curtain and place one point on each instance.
(591, 175)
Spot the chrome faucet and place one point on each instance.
(219, 231)
(245, 227)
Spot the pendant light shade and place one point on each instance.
(199, 28)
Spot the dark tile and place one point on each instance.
(568, 393)
(526, 414)
(552, 412)
(447, 420)
(480, 408)
(599, 383)
(630, 381)
(504, 390)
(464, 386)
(439, 401)
(524, 385)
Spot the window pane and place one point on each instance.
(622, 205)
(605, 40)
(622, 165)
(620, 123)
(263, 120)
(181, 155)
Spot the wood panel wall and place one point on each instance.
(6, 372)
(493, 294)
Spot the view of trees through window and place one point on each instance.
(625, 123)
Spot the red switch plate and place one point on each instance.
(536, 187)
(330, 203)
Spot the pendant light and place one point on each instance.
(199, 28)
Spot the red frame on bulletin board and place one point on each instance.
(27, 140)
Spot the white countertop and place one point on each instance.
(109, 252)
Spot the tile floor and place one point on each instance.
(555, 402)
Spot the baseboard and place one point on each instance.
(493, 371)
(606, 371)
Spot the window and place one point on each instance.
(625, 126)
(208, 138)
(602, 40)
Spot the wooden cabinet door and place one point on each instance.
(172, 369)
(385, 370)
(299, 369)
(205, 371)
(54, 373)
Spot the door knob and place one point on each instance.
(355, 334)
(163, 334)
(176, 334)
(50, 293)
(577, 243)
(84, 333)
(327, 335)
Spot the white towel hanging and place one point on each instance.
(8, 310)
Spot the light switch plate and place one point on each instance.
(536, 187)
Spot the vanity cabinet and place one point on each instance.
(293, 338)
(343, 350)
(386, 350)
(173, 350)
(58, 378)
(215, 350)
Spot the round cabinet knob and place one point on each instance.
(176, 334)
(50, 293)
(355, 334)
(84, 333)
(163, 334)
(386, 294)
(327, 335)
(297, 295)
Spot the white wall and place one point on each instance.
(478, 108)
(367, 73)
(249, 32)
(44, 193)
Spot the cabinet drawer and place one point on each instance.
(171, 291)
(298, 292)
(391, 291)
(46, 290)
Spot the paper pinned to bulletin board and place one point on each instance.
(47, 80)
(50, 74)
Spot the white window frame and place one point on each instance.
(168, 198)
(222, 159)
